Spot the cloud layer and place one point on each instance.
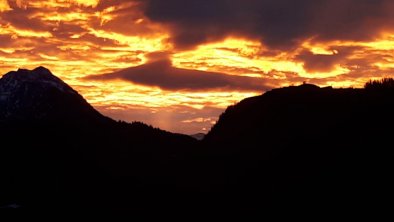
(277, 23)
(244, 47)
(162, 74)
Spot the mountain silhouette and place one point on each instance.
(306, 147)
(299, 148)
(56, 148)
(37, 95)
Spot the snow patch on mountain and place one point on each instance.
(16, 79)
(32, 93)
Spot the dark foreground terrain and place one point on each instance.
(299, 148)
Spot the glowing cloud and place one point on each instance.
(4, 5)
(92, 3)
(263, 44)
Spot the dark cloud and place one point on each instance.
(321, 62)
(162, 74)
(277, 23)
(5, 40)
(22, 19)
(64, 30)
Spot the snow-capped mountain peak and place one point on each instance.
(38, 94)
(39, 76)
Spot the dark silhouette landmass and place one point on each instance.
(301, 148)
(57, 151)
(310, 148)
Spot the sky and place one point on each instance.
(177, 64)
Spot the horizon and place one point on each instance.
(177, 66)
(371, 83)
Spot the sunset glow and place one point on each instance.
(79, 38)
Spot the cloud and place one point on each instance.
(321, 62)
(278, 24)
(5, 40)
(266, 44)
(4, 5)
(71, 35)
(161, 73)
(178, 118)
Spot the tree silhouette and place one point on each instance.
(383, 84)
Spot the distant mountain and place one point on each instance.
(198, 136)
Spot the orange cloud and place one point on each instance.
(4, 5)
(92, 3)
(79, 38)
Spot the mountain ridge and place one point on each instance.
(35, 95)
(56, 148)
(314, 145)
(293, 148)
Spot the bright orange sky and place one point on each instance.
(78, 39)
